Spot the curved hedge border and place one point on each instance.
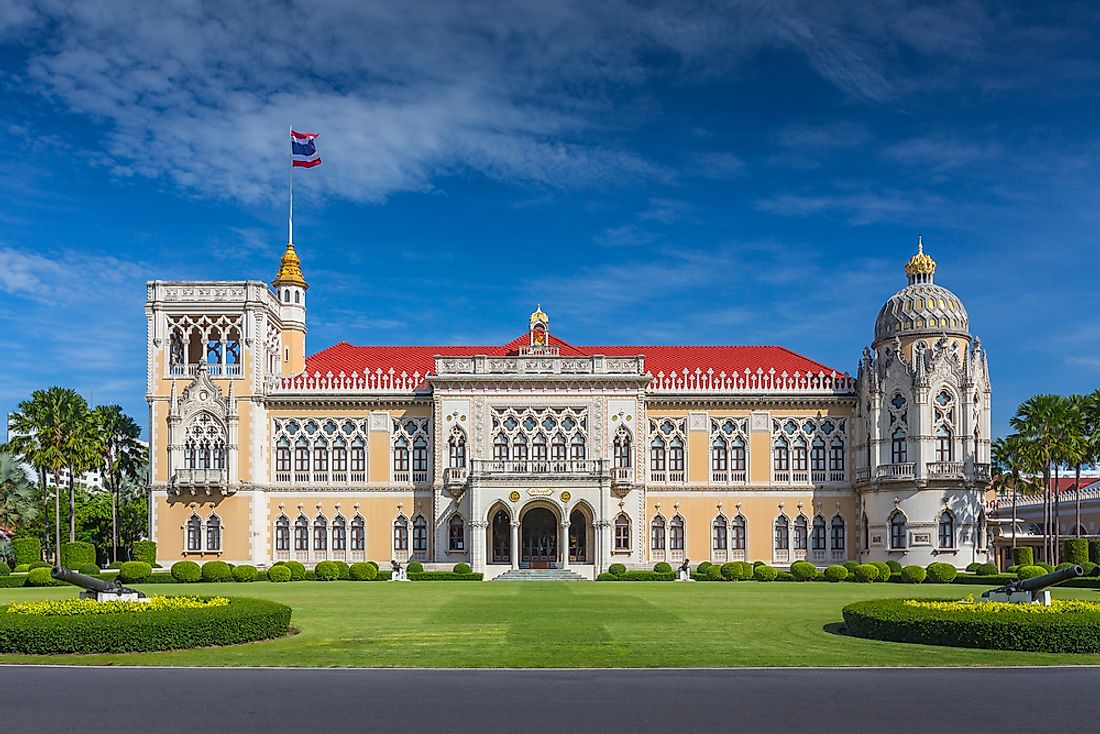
(244, 620)
(893, 621)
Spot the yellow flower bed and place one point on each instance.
(1057, 606)
(77, 607)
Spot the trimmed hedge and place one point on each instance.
(243, 620)
(13, 582)
(186, 572)
(217, 572)
(1023, 556)
(135, 572)
(89, 570)
(297, 570)
(245, 573)
(462, 568)
(836, 573)
(702, 567)
(764, 572)
(913, 574)
(76, 554)
(737, 570)
(414, 567)
(941, 573)
(278, 574)
(5, 569)
(784, 576)
(662, 567)
(42, 577)
(1029, 572)
(894, 567)
(445, 576)
(344, 570)
(803, 571)
(1075, 550)
(640, 576)
(884, 572)
(367, 571)
(616, 569)
(1094, 551)
(714, 573)
(27, 550)
(22, 568)
(326, 571)
(973, 567)
(865, 573)
(144, 550)
(894, 621)
(39, 564)
(987, 569)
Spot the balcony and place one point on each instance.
(539, 467)
(729, 477)
(320, 478)
(907, 470)
(622, 480)
(230, 371)
(667, 477)
(454, 479)
(194, 481)
(945, 470)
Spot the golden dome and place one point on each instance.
(290, 269)
(920, 264)
(539, 317)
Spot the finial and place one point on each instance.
(920, 267)
(539, 317)
(920, 245)
(290, 269)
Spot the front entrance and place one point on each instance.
(578, 538)
(538, 538)
(501, 538)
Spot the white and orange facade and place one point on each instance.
(542, 453)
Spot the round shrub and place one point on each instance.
(1029, 572)
(662, 567)
(1045, 566)
(894, 566)
(1063, 566)
(134, 572)
(941, 573)
(987, 569)
(89, 570)
(326, 571)
(608, 577)
(803, 571)
(913, 575)
(884, 572)
(376, 567)
(702, 567)
(617, 569)
(865, 573)
(297, 570)
(732, 571)
(145, 550)
(784, 576)
(1090, 568)
(714, 573)
(415, 567)
(5, 569)
(116, 565)
(1011, 569)
(973, 567)
(277, 574)
(758, 564)
(217, 571)
(367, 571)
(27, 550)
(245, 573)
(40, 564)
(851, 566)
(462, 568)
(836, 573)
(40, 577)
(764, 573)
(76, 554)
(186, 572)
(344, 569)
(241, 620)
(22, 568)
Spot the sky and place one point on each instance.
(650, 172)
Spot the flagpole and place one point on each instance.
(290, 175)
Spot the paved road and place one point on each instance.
(196, 700)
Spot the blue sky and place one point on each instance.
(735, 173)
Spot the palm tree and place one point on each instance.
(1039, 420)
(17, 501)
(124, 456)
(1014, 471)
(84, 455)
(1077, 449)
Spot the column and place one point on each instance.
(564, 545)
(604, 533)
(477, 544)
(513, 546)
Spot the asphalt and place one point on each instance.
(310, 701)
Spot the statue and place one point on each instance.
(399, 573)
(97, 589)
(1034, 590)
(684, 571)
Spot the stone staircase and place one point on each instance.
(540, 574)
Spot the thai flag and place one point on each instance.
(303, 150)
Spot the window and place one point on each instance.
(557, 448)
(657, 455)
(320, 456)
(214, 533)
(657, 534)
(819, 533)
(866, 534)
(194, 534)
(301, 455)
(622, 449)
(676, 454)
(622, 533)
(836, 455)
(358, 455)
(839, 541)
(401, 454)
(339, 534)
(737, 533)
(420, 534)
(898, 531)
(720, 534)
(358, 534)
(943, 419)
(420, 454)
(538, 448)
(500, 448)
(339, 456)
(576, 448)
(456, 533)
(737, 454)
(817, 455)
(782, 533)
(456, 449)
(899, 448)
(947, 530)
(800, 532)
(676, 533)
(282, 533)
(800, 457)
(301, 534)
(944, 448)
(401, 534)
(719, 456)
(519, 448)
(781, 455)
(320, 533)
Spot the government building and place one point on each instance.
(540, 453)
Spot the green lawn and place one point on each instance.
(500, 624)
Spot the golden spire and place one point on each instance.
(290, 270)
(539, 317)
(920, 265)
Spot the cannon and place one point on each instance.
(97, 589)
(1033, 591)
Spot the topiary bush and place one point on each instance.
(803, 571)
(217, 572)
(736, 570)
(245, 573)
(702, 567)
(1045, 566)
(1075, 550)
(758, 564)
(894, 566)
(866, 573)
(134, 572)
(40, 577)
(368, 571)
(76, 554)
(297, 570)
(279, 574)
(836, 573)
(1094, 551)
(186, 572)
(607, 576)
(987, 569)
(27, 550)
(913, 575)
(1011, 569)
(714, 573)
(784, 576)
(22, 568)
(884, 572)
(89, 570)
(5, 569)
(1090, 568)
(415, 567)
(617, 569)
(1029, 572)
(40, 564)
(462, 568)
(1063, 566)
(344, 569)
(764, 573)
(851, 566)
(1023, 556)
(941, 573)
(326, 571)
(662, 567)
(973, 567)
(144, 550)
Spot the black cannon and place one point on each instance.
(1033, 591)
(94, 588)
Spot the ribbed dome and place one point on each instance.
(922, 307)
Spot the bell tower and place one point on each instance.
(538, 335)
(290, 289)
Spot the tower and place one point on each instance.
(290, 290)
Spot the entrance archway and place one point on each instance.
(538, 538)
(579, 550)
(500, 545)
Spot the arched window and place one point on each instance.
(401, 454)
(420, 457)
(401, 533)
(946, 530)
(301, 534)
(194, 534)
(204, 443)
(899, 447)
(801, 527)
(358, 534)
(657, 455)
(800, 455)
(213, 533)
(320, 533)
(339, 534)
(836, 455)
(676, 454)
(339, 456)
(944, 445)
(557, 448)
(943, 419)
(576, 447)
(282, 533)
(538, 449)
(286, 295)
(320, 459)
(719, 455)
(898, 531)
(737, 533)
(297, 296)
(282, 455)
(500, 447)
(720, 533)
(737, 454)
(866, 527)
(622, 532)
(301, 456)
(782, 533)
(420, 534)
(456, 533)
(839, 541)
(657, 533)
(819, 533)
(456, 449)
(817, 455)
(676, 533)
(781, 455)
(623, 453)
(359, 457)
(519, 448)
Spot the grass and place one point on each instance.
(564, 625)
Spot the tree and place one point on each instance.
(1077, 449)
(123, 457)
(1040, 421)
(18, 504)
(1014, 469)
(83, 456)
